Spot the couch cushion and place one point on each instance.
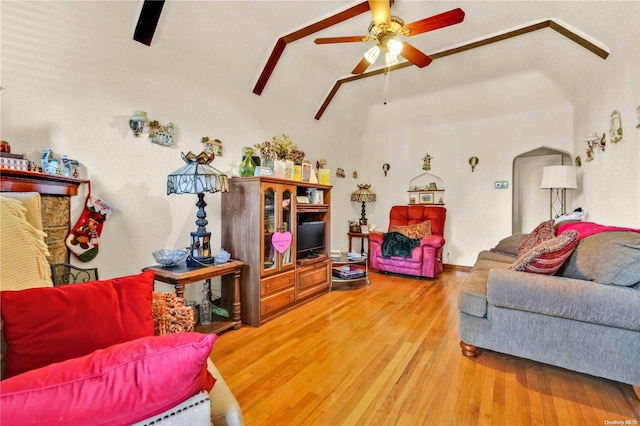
(46, 325)
(579, 300)
(548, 256)
(607, 257)
(122, 384)
(472, 299)
(419, 230)
(509, 245)
(543, 232)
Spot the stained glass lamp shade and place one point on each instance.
(364, 195)
(197, 176)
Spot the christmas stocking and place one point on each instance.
(84, 237)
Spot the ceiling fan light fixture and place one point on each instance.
(394, 46)
(390, 59)
(372, 54)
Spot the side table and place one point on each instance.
(344, 260)
(230, 273)
(359, 235)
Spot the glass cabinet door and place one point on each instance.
(286, 224)
(269, 258)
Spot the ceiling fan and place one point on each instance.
(385, 29)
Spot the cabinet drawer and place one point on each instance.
(273, 303)
(313, 278)
(276, 283)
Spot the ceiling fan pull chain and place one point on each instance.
(386, 83)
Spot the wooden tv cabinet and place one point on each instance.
(253, 211)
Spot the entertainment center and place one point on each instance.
(260, 215)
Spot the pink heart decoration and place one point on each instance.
(281, 241)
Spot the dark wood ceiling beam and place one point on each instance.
(148, 21)
(483, 42)
(297, 35)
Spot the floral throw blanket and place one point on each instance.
(398, 245)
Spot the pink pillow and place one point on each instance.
(122, 384)
(53, 324)
(549, 256)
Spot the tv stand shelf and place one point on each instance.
(254, 211)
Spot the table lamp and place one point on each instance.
(363, 195)
(196, 177)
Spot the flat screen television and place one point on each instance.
(310, 239)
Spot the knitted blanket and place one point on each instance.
(398, 245)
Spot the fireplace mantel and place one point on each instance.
(56, 192)
(45, 184)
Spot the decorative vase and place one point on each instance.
(248, 166)
(267, 163)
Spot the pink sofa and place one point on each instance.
(426, 259)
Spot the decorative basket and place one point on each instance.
(354, 228)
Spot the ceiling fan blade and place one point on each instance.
(148, 21)
(381, 11)
(361, 67)
(349, 39)
(415, 56)
(435, 22)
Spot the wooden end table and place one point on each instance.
(230, 273)
(359, 235)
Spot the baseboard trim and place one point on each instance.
(459, 268)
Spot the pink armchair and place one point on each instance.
(426, 259)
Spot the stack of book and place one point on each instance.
(335, 255)
(352, 255)
(348, 272)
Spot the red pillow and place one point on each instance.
(53, 324)
(122, 384)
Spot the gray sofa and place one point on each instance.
(577, 324)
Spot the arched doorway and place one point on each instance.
(530, 202)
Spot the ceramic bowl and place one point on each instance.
(170, 257)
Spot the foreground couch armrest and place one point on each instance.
(225, 410)
(193, 411)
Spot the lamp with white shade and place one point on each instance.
(558, 179)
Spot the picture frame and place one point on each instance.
(426, 198)
(364, 229)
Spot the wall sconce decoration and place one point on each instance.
(473, 162)
(385, 168)
(615, 131)
(426, 165)
(340, 172)
(137, 122)
(594, 141)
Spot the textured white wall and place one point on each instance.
(484, 120)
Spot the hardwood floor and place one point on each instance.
(388, 354)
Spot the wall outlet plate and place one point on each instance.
(501, 184)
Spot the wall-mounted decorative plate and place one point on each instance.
(162, 135)
(616, 127)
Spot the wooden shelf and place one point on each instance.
(25, 181)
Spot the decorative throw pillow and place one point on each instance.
(547, 257)
(53, 324)
(170, 315)
(543, 232)
(607, 258)
(509, 245)
(419, 230)
(122, 384)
